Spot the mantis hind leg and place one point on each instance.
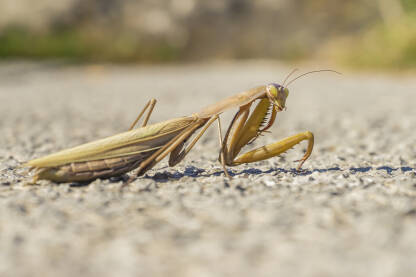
(151, 104)
(277, 148)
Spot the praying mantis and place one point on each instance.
(142, 148)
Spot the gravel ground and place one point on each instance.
(351, 212)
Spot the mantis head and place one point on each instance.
(277, 95)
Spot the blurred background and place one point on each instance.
(352, 212)
(358, 33)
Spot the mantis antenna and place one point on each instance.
(287, 77)
(310, 72)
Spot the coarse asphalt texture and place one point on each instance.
(350, 212)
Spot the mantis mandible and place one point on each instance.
(144, 147)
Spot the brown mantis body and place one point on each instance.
(144, 147)
(109, 156)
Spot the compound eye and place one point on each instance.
(272, 90)
(286, 91)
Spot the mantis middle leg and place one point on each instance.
(175, 146)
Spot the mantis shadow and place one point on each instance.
(195, 172)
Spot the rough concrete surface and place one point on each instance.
(351, 212)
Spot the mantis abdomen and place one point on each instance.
(89, 170)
